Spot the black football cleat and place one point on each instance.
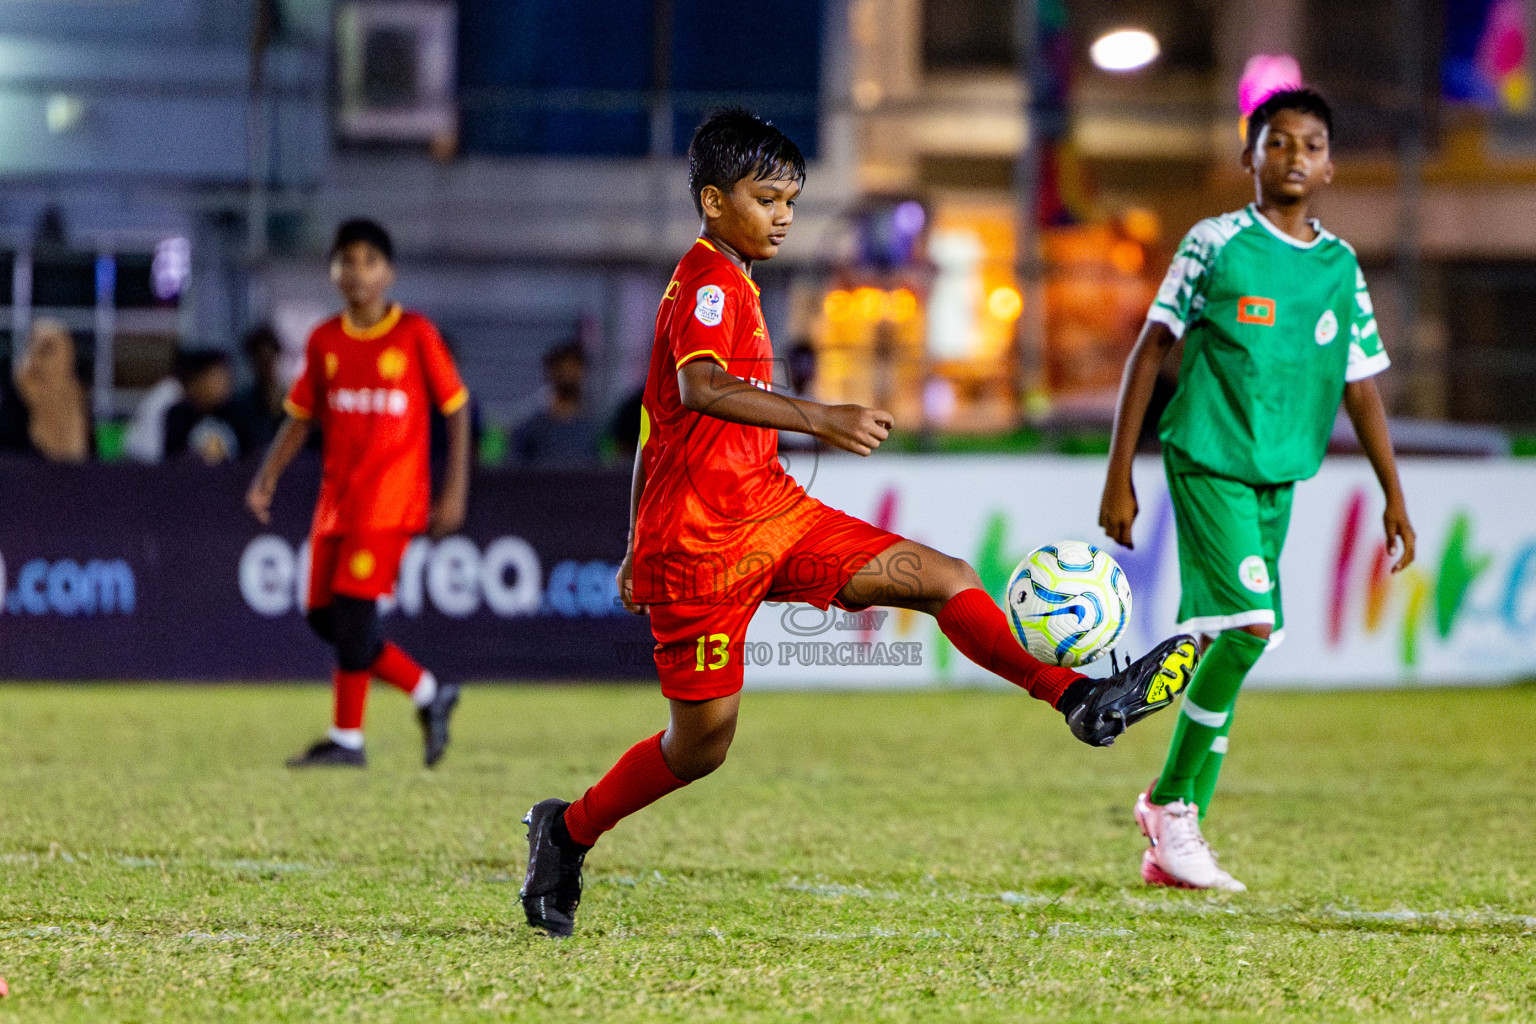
(329, 754)
(434, 721)
(1143, 687)
(552, 889)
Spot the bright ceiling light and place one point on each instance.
(1124, 49)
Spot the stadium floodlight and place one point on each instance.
(1124, 49)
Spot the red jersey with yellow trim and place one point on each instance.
(369, 392)
(714, 491)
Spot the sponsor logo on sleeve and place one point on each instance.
(709, 310)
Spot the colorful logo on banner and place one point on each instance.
(1461, 586)
(996, 555)
(1432, 597)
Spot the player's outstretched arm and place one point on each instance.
(1118, 508)
(1363, 403)
(288, 443)
(707, 388)
(453, 500)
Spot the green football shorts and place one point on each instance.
(1230, 536)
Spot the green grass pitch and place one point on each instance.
(861, 857)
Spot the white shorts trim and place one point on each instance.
(1211, 626)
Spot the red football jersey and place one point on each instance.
(715, 495)
(369, 391)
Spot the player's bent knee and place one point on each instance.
(694, 757)
(359, 642)
(1262, 630)
(952, 576)
(701, 762)
(968, 577)
(942, 577)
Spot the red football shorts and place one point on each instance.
(362, 565)
(699, 643)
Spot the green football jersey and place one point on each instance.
(1273, 327)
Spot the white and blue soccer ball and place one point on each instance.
(1068, 602)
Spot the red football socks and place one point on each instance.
(396, 668)
(639, 778)
(351, 693)
(977, 626)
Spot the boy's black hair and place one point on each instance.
(361, 229)
(564, 350)
(259, 337)
(187, 364)
(1308, 101)
(733, 144)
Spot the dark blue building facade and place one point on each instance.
(630, 78)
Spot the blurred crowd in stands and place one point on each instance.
(197, 411)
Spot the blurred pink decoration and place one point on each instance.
(1264, 75)
(1502, 50)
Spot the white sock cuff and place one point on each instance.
(1200, 716)
(425, 689)
(352, 739)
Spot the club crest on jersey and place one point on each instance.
(1255, 309)
(362, 565)
(709, 310)
(1253, 573)
(1327, 327)
(332, 364)
(392, 364)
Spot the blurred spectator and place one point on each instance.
(47, 413)
(260, 403)
(800, 367)
(145, 439)
(559, 436)
(623, 433)
(208, 422)
(800, 363)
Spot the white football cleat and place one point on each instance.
(1179, 856)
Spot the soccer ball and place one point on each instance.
(1068, 602)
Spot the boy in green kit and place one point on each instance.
(1278, 327)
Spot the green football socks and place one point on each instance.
(1205, 782)
(1200, 735)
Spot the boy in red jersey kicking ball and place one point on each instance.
(717, 526)
(368, 377)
